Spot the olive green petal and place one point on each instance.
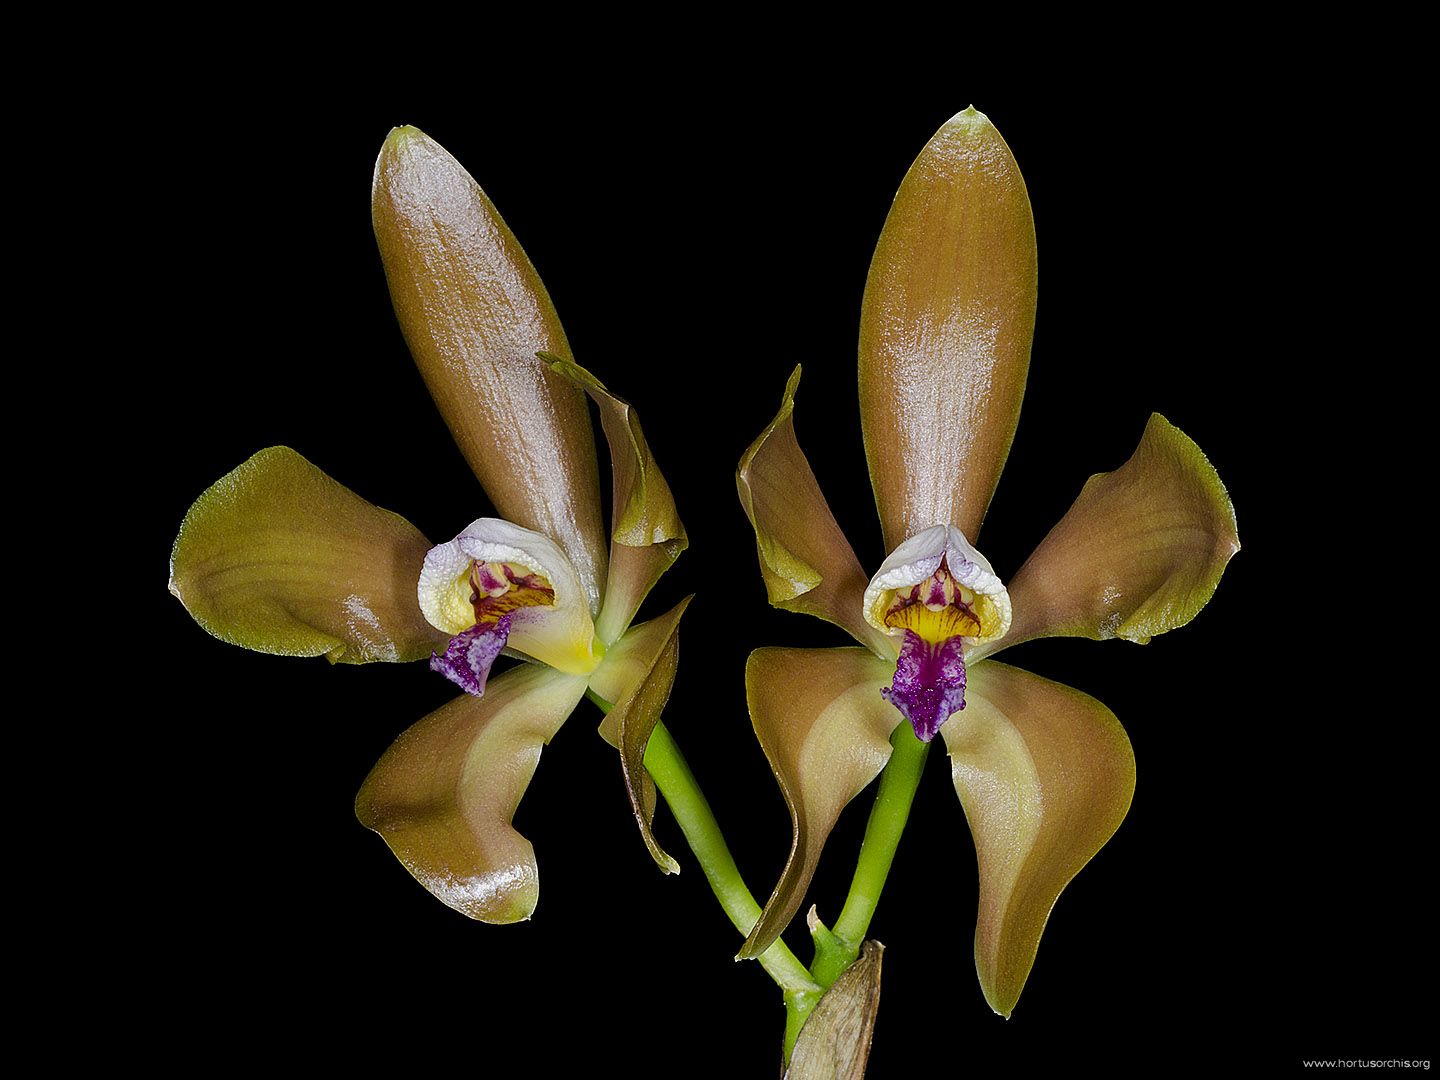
(444, 794)
(278, 557)
(1139, 553)
(474, 313)
(825, 729)
(945, 332)
(834, 1044)
(806, 562)
(637, 676)
(1046, 775)
(647, 533)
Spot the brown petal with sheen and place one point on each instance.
(825, 729)
(1045, 774)
(474, 313)
(945, 332)
(278, 557)
(1139, 553)
(443, 795)
(834, 1044)
(646, 528)
(637, 676)
(806, 562)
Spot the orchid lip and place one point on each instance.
(471, 653)
(940, 595)
(495, 568)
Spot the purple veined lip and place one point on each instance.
(470, 655)
(929, 683)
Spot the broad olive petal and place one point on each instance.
(945, 332)
(443, 795)
(806, 562)
(278, 557)
(647, 533)
(637, 675)
(474, 313)
(834, 1044)
(1139, 553)
(826, 730)
(1045, 774)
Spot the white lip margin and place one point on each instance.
(560, 635)
(917, 558)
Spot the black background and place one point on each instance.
(699, 237)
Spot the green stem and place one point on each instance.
(672, 776)
(836, 950)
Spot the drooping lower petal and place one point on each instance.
(1046, 775)
(1139, 553)
(278, 557)
(468, 658)
(443, 795)
(825, 730)
(637, 676)
(929, 683)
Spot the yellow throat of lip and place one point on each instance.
(940, 608)
(498, 588)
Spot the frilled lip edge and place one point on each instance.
(471, 654)
(929, 683)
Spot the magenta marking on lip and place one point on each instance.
(470, 655)
(929, 683)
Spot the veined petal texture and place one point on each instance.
(474, 313)
(443, 795)
(278, 557)
(1046, 775)
(945, 331)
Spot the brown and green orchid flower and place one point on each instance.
(278, 557)
(1044, 772)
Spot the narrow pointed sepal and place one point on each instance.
(444, 794)
(805, 560)
(474, 313)
(1139, 553)
(637, 676)
(945, 331)
(834, 1044)
(1046, 775)
(278, 557)
(646, 530)
(825, 730)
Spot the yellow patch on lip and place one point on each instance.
(498, 588)
(940, 608)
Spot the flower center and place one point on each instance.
(940, 608)
(498, 588)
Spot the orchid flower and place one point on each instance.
(1044, 772)
(278, 557)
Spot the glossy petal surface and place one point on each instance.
(443, 795)
(945, 332)
(639, 672)
(806, 562)
(278, 557)
(646, 528)
(474, 313)
(1045, 774)
(834, 1044)
(825, 729)
(1139, 553)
